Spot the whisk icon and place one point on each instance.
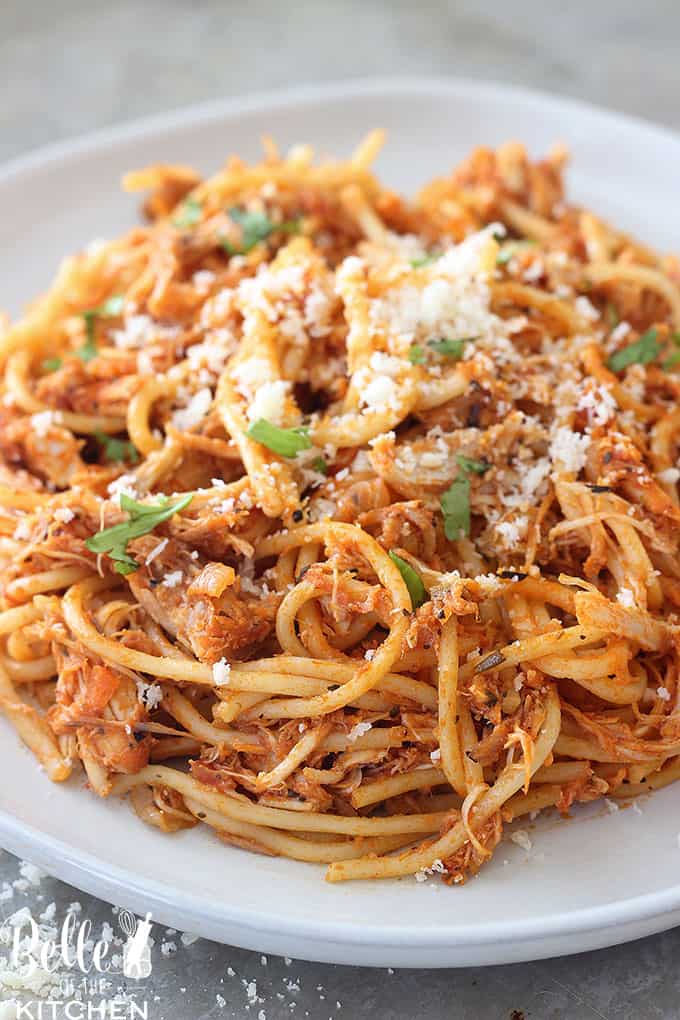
(136, 951)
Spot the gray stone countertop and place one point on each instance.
(70, 66)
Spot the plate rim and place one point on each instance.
(584, 921)
(84, 868)
(307, 94)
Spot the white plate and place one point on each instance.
(594, 881)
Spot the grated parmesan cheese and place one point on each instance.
(270, 402)
(31, 873)
(124, 485)
(534, 272)
(203, 279)
(436, 868)
(44, 421)
(490, 584)
(149, 695)
(172, 579)
(145, 363)
(599, 404)
(251, 374)
(212, 354)
(186, 418)
(568, 449)
(220, 672)
(512, 532)
(619, 332)
(359, 730)
(156, 551)
(137, 331)
(521, 838)
(63, 514)
(586, 308)
(380, 394)
(532, 480)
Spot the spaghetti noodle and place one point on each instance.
(343, 524)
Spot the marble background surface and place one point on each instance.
(69, 66)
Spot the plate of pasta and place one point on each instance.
(340, 521)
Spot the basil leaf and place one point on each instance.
(285, 442)
(451, 348)
(89, 349)
(51, 364)
(189, 214)
(455, 504)
(424, 260)
(255, 227)
(117, 449)
(641, 352)
(412, 580)
(320, 465)
(144, 517)
(162, 510)
(672, 360)
(289, 226)
(123, 564)
(612, 316)
(511, 248)
(468, 464)
(111, 307)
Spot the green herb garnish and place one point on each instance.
(468, 464)
(612, 316)
(144, 517)
(641, 352)
(672, 361)
(412, 580)
(320, 465)
(112, 306)
(455, 502)
(451, 348)
(447, 348)
(255, 227)
(285, 442)
(674, 358)
(511, 248)
(51, 364)
(424, 260)
(189, 214)
(89, 349)
(117, 449)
